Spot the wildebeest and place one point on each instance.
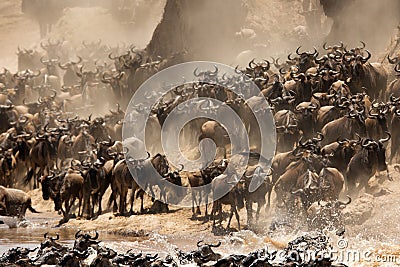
(369, 160)
(255, 176)
(14, 202)
(372, 76)
(42, 155)
(345, 127)
(233, 197)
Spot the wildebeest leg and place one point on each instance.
(132, 199)
(96, 198)
(351, 185)
(269, 201)
(66, 213)
(198, 211)
(220, 212)
(61, 164)
(100, 209)
(214, 210)
(230, 217)
(206, 202)
(236, 215)
(79, 204)
(393, 150)
(258, 212)
(140, 193)
(193, 202)
(122, 201)
(249, 208)
(141, 202)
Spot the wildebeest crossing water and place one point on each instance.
(330, 196)
(72, 248)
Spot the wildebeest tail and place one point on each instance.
(111, 199)
(28, 177)
(31, 208)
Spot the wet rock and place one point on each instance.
(359, 210)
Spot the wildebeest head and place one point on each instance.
(323, 213)
(258, 70)
(51, 185)
(87, 77)
(382, 152)
(206, 75)
(306, 60)
(51, 242)
(160, 163)
(84, 241)
(205, 253)
(52, 48)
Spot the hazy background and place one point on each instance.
(229, 31)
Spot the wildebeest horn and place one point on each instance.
(237, 70)
(363, 45)
(374, 115)
(385, 139)
(366, 143)
(397, 68)
(182, 167)
(54, 94)
(195, 73)
(316, 96)
(95, 237)
(252, 63)
(298, 191)
(55, 238)
(79, 60)
(199, 242)
(298, 51)
(365, 59)
(78, 234)
(216, 245)
(319, 137)
(282, 71)
(392, 60)
(315, 53)
(43, 61)
(111, 57)
(215, 72)
(43, 46)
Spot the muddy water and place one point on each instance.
(30, 233)
(241, 242)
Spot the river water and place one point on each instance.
(355, 250)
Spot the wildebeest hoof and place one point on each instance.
(62, 221)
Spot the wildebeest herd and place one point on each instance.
(88, 250)
(335, 114)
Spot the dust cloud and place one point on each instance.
(363, 20)
(91, 24)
